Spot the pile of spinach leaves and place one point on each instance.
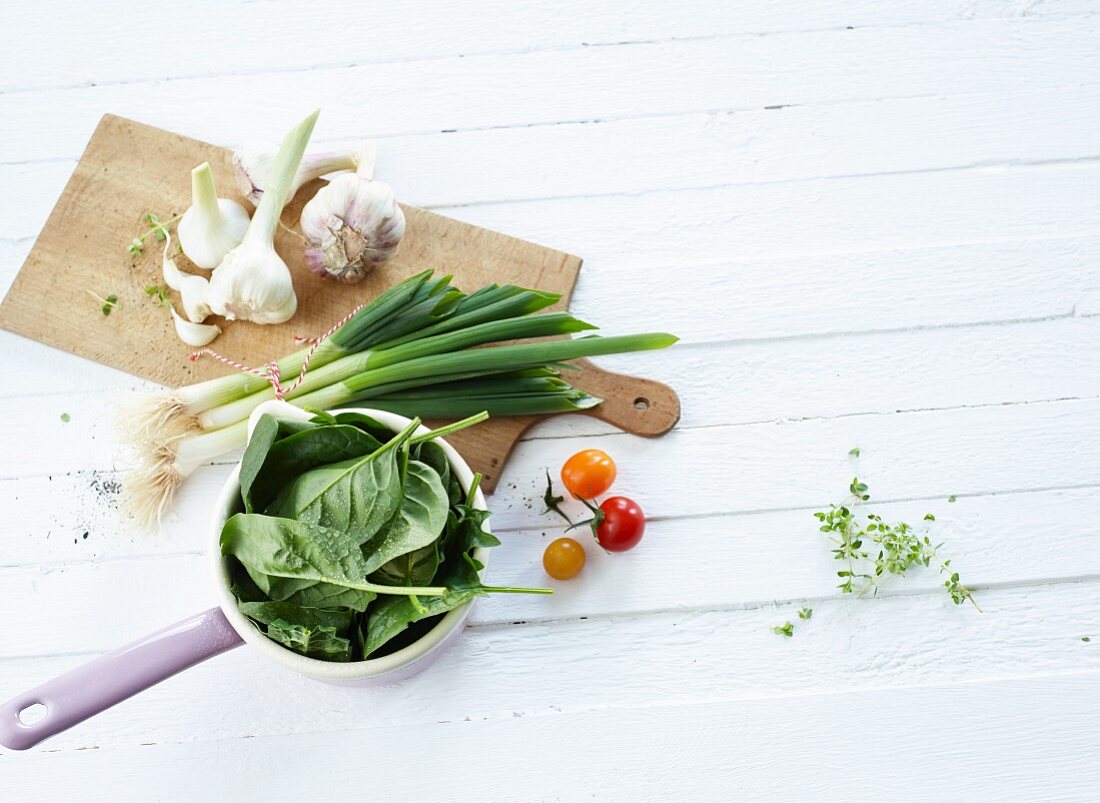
(352, 541)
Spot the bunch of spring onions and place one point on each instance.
(413, 350)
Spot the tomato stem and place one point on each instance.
(553, 502)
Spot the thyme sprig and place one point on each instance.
(892, 548)
(157, 229)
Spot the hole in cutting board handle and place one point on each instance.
(641, 404)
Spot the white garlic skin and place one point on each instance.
(194, 334)
(192, 290)
(206, 241)
(252, 163)
(352, 225)
(252, 283)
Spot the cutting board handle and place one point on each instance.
(635, 405)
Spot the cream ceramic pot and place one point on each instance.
(58, 704)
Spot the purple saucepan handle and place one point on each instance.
(97, 685)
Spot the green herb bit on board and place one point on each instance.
(157, 229)
(106, 303)
(805, 613)
(158, 294)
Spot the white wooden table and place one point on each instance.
(870, 226)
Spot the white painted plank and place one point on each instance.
(100, 49)
(665, 230)
(811, 294)
(494, 673)
(1016, 739)
(699, 150)
(750, 561)
(631, 80)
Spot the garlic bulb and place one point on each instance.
(213, 225)
(352, 224)
(192, 289)
(194, 334)
(252, 282)
(253, 162)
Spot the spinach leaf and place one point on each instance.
(389, 616)
(316, 632)
(302, 451)
(317, 641)
(465, 532)
(416, 568)
(298, 562)
(327, 595)
(366, 424)
(433, 455)
(267, 612)
(419, 520)
(356, 496)
(259, 444)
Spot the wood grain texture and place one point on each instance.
(129, 167)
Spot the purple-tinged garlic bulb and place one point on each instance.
(352, 225)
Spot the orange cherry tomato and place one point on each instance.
(588, 474)
(563, 559)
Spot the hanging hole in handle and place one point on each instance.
(33, 714)
(641, 404)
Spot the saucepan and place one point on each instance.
(101, 683)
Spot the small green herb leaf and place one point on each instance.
(854, 452)
(158, 229)
(65, 417)
(158, 294)
(786, 630)
(805, 613)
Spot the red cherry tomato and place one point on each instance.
(622, 526)
(563, 559)
(588, 474)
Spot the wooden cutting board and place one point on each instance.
(129, 169)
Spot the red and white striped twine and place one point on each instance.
(270, 372)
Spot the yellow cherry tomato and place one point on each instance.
(563, 559)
